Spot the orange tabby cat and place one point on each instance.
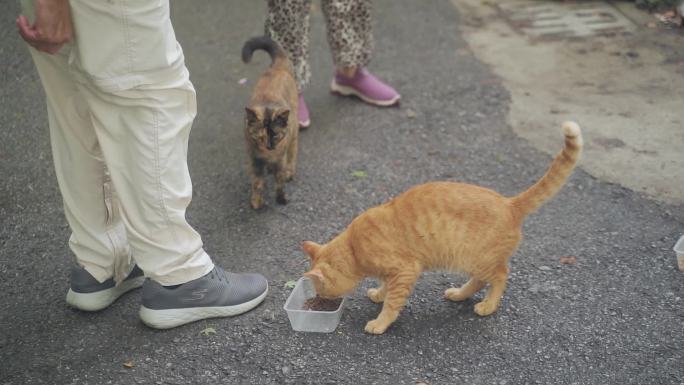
(271, 123)
(435, 226)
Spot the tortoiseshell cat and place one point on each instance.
(271, 124)
(435, 226)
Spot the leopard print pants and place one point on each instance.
(348, 25)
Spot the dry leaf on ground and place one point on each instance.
(568, 260)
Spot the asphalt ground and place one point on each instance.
(615, 317)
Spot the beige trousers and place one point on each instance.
(120, 107)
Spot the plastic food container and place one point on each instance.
(679, 249)
(310, 320)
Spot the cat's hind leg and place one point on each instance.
(497, 285)
(466, 291)
(377, 295)
(397, 289)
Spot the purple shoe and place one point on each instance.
(367, 87)
(303, 113)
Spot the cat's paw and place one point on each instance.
(455, 294)
(289, 175)
(280, 198)
(485, 308)
(256, 201)
(376, 295)
(376, 327)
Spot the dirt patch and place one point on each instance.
(625, 91)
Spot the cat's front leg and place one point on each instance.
(377, 295)
(256, 199)
(291, 163)
(281, 179)
(397, 289)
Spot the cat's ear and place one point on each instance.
(282, 117)
(311, 248)
(250, 115)
(315, 275)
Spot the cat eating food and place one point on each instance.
(435, 226)
(271, 123)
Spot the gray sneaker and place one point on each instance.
(85, 293)
(217, 294)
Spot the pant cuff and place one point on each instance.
(197, 266)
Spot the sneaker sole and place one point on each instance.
(103, 298)
(304, 125)
(349, 91)
(170, 318)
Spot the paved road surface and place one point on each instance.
(615, 317)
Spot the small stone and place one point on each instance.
(544, 268)
(286, 370)
(543, 288)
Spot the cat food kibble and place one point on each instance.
(321, 304)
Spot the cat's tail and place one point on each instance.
(278, 55)
(531, 199)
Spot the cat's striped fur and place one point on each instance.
(436, 226)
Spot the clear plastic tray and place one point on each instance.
(679, 249)
(310, 320)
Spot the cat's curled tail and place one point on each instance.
(278, 55)
(529, 200)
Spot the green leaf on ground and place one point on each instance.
(208, 331)
(359, 174)
(290, 284)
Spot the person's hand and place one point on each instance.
(52, 27)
